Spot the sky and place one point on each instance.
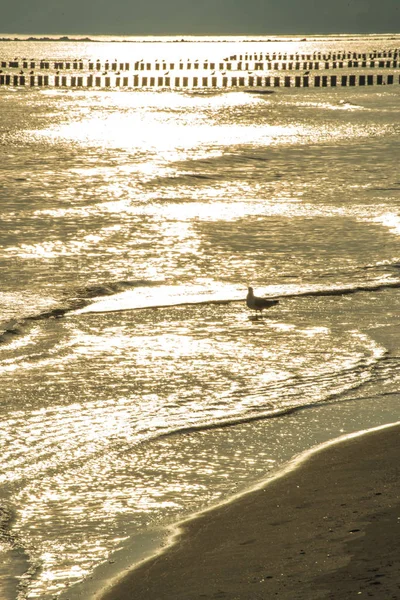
(202, 17)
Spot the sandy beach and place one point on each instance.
(327, 529)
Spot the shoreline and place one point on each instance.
(355, 420)
(228, 558)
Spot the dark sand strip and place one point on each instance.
(328, 529)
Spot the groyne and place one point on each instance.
(257, 70)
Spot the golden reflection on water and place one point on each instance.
(390, 220)
(175, 126)
(140, 187)
(172, 140)
(86, 455)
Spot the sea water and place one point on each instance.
(136, 388)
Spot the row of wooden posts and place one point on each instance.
(225, 65)
(167, 82)
(331, 55)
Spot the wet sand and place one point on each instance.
(330, 528)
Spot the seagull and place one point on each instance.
(258, 304)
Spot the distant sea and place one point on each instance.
(136, 387)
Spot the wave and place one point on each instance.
(344, 291)
(78, 299)
(283, 412)
(338, 395)
(48, 449)
(114, 287)
(88, 299)
(202, 427)
(129, 302)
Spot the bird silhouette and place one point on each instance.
(258, 304)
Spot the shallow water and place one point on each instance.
(119, 417)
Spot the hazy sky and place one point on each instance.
(157, 17)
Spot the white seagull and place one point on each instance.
(258, 304)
